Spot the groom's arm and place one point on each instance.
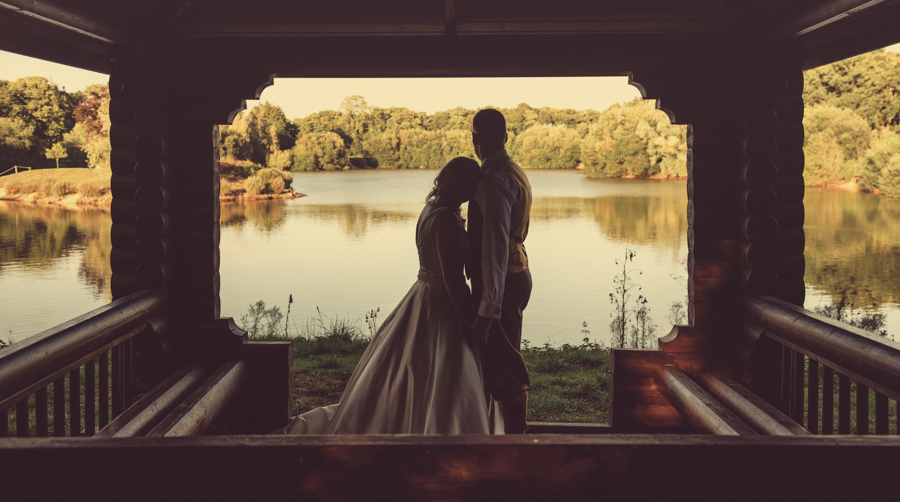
(496, 195)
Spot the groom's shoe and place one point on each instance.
(514, 412)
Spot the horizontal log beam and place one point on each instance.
(198, 411)
(867, 358)
(138, 419)
(752, 409)
(464, 467)
(698, 408)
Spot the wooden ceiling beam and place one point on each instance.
(20, 36)
(86, 18)
(805, 19)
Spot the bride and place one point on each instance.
(421, 374)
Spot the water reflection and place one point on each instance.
(660, 218)
(349, 246)
(265, 215)
(35, 237)
(853, 240)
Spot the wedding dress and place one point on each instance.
(421, 374)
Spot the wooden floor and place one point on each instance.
(545, 467)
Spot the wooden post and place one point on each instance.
(59, 407)
(843, 404)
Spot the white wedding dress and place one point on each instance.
(421, 374)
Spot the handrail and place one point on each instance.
(34, 363)
(867, 358)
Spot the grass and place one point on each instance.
(569, 383)
(50, 182)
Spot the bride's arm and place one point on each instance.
(446, 234)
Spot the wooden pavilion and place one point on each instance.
(719, 411)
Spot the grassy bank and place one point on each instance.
(569, 384)
(68, 186)
(239, 180)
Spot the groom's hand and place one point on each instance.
(480, 327)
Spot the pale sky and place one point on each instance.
(301, 97)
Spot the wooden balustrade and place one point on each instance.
(84, 364)
(830, 370)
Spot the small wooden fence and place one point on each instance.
(79, 374)
(836, 379)
(16, 168)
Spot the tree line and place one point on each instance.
(852, 125)
(42, 125)
(852, 122)
(630, 139)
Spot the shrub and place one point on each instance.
(44, 187)
(230, 188)
(14, 187)
(276, 185)
(273, 180)
(288, 179)
(61, 188)
(254, 186)
(90, 188)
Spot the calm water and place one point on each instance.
(349, 247)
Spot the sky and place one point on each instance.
(301, 97)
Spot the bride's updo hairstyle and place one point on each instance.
(456, 182)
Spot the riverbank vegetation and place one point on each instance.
(631, 139)
(852, 122)
(569, 383)
(90, 185)
(852, 126)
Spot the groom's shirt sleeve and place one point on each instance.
(497, 193)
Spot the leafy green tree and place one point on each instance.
(868, 84)
(15, 142)
(56, 152)
(824, 158)
(547, 146)
(890, 177)
(258, 134)
(851, 131)
(317, 151)
(91, 131)
(885, 144)
(41, 105)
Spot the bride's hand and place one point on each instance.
(481, 327)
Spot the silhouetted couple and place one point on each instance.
(447, 361)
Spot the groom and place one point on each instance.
(498, 266)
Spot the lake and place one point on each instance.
(348, 247)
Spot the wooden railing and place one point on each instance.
(836, 378)
(73, 379)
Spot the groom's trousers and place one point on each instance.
(505, 374)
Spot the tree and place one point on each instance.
(56, 152)
(890, 177)
(851, 132)
(885, 144)
(824, 158)
(869, 84)
(547, 146)
(91, 131)
(317, 151)
(41, 105)
(15, 142)
(356, 108)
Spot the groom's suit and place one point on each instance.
(498, 267)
